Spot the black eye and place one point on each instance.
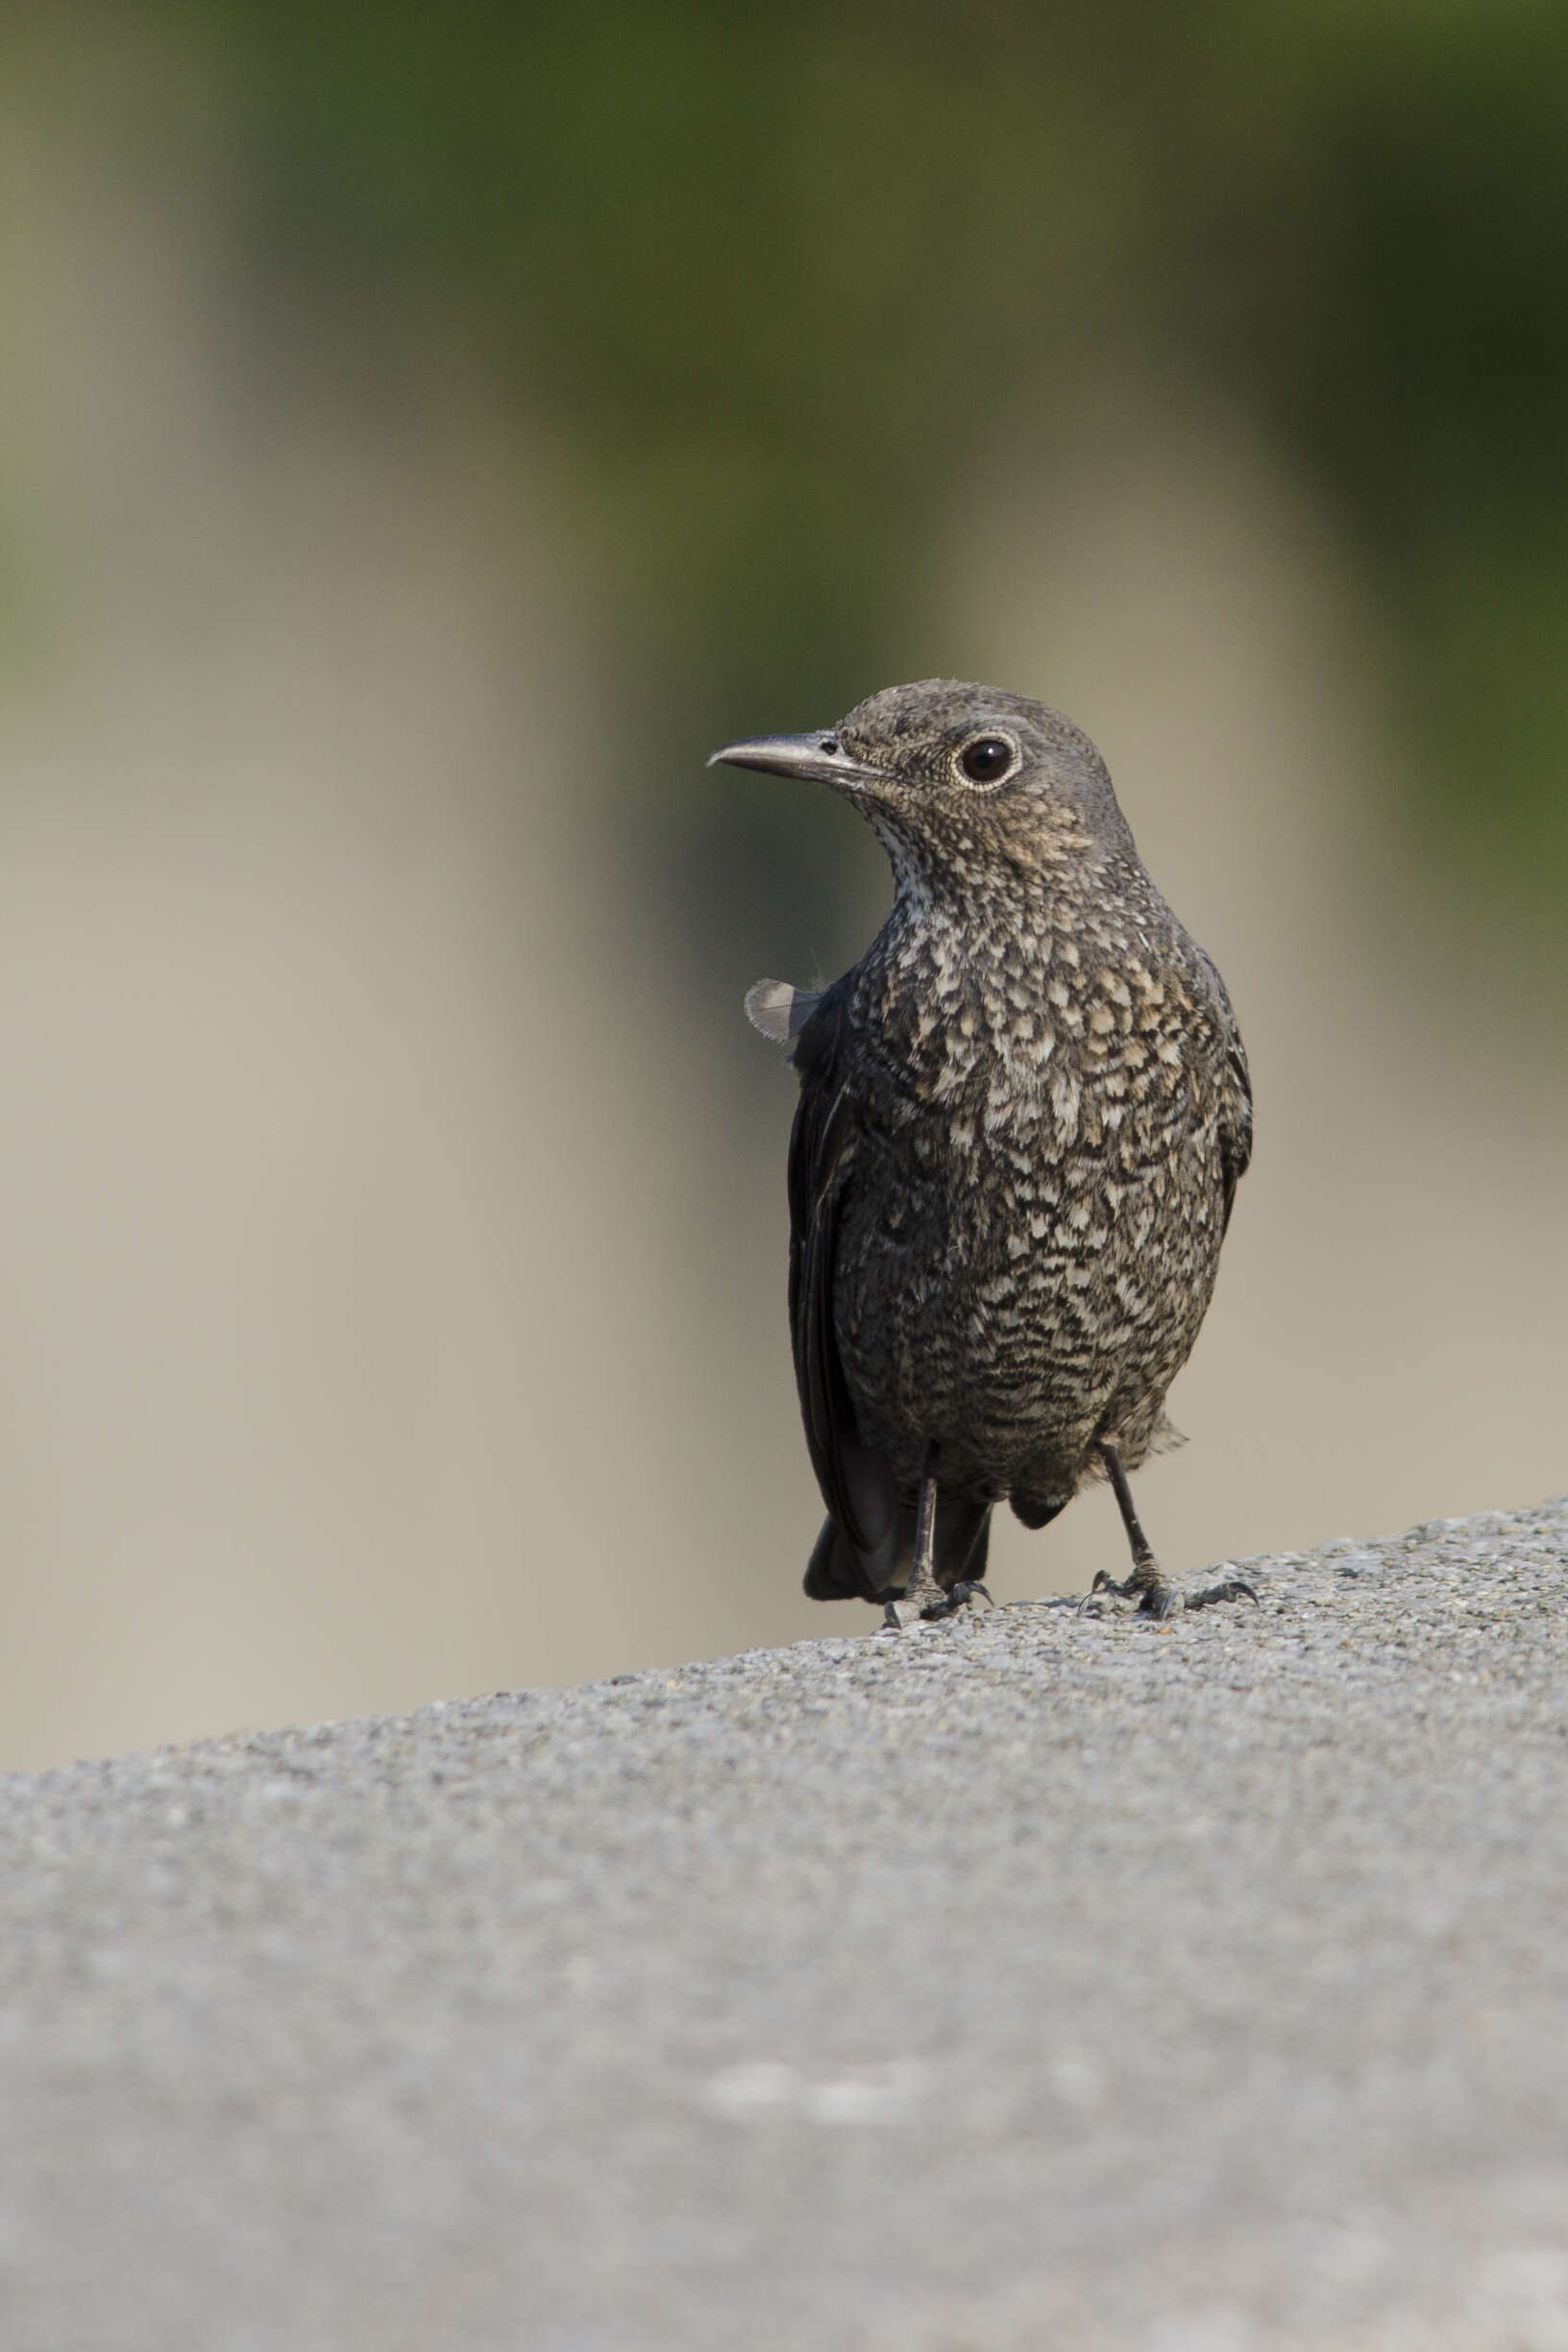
(987, 759)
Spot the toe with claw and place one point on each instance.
(928, 1607)
(1156, 1597)
(1231, 1588)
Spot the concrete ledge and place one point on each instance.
(1035, 1980)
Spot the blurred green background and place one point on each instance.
(780, 280)
(429, 431)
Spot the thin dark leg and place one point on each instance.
(1144, 1566)
(925, 1523)
(971, 1584)
(1147, 1585)
(922, 1595)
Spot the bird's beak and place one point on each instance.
(818, 758)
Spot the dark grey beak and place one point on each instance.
(816, 757)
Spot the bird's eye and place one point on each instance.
(986, 759)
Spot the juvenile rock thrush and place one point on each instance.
(1023, 1116)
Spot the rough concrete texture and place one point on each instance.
(1037, 1979)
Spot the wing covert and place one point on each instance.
(1235, 1118)
(820, 1170)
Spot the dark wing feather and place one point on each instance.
(1236, 1135)
(1236, 1116)
(821, 1160)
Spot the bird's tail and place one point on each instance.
(837, 1571)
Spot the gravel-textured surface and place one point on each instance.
(1035, 1980)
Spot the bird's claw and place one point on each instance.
(1232, 1588)
(967, 1592)
(1156, 1597)
(931, 1607)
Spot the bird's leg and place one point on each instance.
(1154, 1596)
(922, 1595)
(1145, 1585)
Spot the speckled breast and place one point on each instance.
(1025, 1260)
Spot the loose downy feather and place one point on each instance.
(778, 1010)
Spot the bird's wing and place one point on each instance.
(856, 1487)
(1235, 1099)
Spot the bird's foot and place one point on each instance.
(928, 1604)
(1158, 1598)
(1229, 1588)
(1155, 1598)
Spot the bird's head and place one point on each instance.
(958, 779)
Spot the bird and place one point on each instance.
(1023, 1118)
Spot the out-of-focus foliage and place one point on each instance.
(779, 275)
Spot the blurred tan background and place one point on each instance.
(391, 1196)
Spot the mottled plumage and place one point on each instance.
(1023, 1118)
